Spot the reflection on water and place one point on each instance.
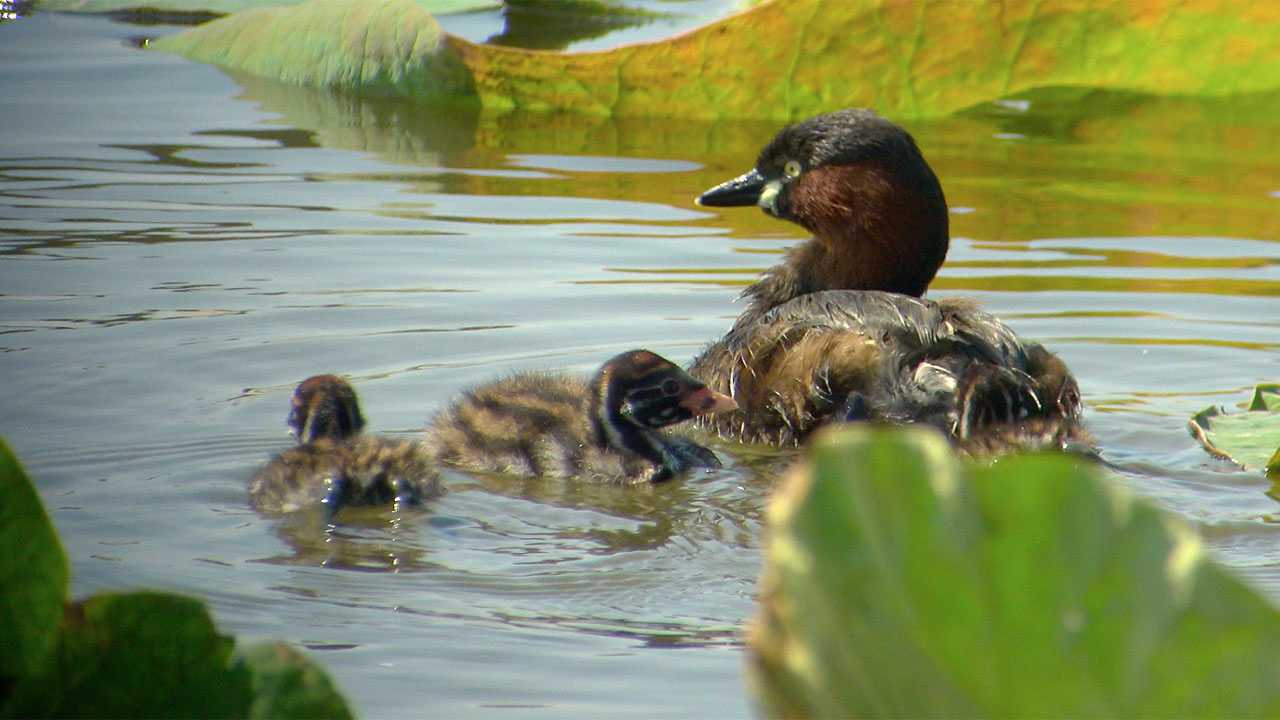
(178, 248)
(573, 25)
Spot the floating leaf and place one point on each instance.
(387, 47)
(1250, 439)
(33, 573)
(900, 584)
(779, 60)
(1266, 397)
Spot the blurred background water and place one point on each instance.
(178, 247)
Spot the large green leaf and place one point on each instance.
(136, 655)
(779, 60)
(33, 573)
(1250, 439)
(900, 584)
(387, 47)
(159, 655)
(125, 655)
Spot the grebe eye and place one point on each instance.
(670, 387)
(791, 169)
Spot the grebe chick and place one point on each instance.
(334, 465)
(607, 428)
(839, 330)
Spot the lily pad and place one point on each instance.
(387, 47)
(141, 654)
(33, 573)
(899, 583)
(1250, 439)
(779, 60)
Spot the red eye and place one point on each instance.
(670, 387)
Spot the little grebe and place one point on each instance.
(334, 465)
(607, 428)
(839, 331)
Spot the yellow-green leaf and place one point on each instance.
(387, 47)
(901, 584)
(782, 59)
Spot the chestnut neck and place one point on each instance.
(876, 226)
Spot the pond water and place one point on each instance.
(180, 247)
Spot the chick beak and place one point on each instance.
(705, 401)
(739, 192)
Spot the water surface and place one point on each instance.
(179, 247)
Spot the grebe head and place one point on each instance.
(640, 390)
(325, 406)
(859, 183)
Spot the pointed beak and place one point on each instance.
(739, 192)
(705, 401)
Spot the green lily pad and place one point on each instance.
(33, 573)
(386, 47)
(778, 60)
(1266, 397)
(899, 583)
(1250, 439)
(141, 654)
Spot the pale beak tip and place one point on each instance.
(718, 402)
(705, 401)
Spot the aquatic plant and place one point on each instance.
(136, 654)
(900, 583)
(1250, 439)
(778, 60)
